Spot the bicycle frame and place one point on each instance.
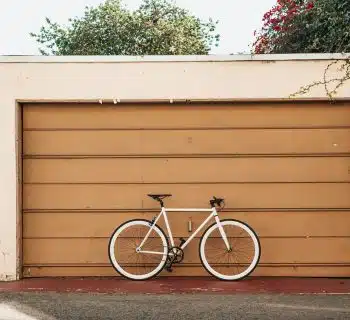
(213, 214)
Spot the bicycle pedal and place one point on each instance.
(169, 269)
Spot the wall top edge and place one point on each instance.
(172, 58)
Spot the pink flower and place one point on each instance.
(310, 5)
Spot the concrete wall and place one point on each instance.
(25, 79)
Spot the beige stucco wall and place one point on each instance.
(152, 78)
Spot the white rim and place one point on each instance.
(116, 264)
(253, 263)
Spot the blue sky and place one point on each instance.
(238, 20)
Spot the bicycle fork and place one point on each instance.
(222, 231)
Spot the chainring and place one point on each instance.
(178, 255)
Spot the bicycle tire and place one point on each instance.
(114, 261)
(257, 246)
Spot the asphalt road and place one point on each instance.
(53, 306)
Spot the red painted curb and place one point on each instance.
(163, 285)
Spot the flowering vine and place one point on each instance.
(309, 26)
(279, 21)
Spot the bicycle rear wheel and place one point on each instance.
(230, 265)
(130, 263)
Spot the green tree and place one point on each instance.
(157, 27)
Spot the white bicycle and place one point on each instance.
(139, 249)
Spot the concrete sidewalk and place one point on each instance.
(166, 285)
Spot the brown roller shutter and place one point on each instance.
(282, 168)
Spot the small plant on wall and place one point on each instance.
(330, 84)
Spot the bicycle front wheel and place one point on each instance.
(234, 264)
(138, 265)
